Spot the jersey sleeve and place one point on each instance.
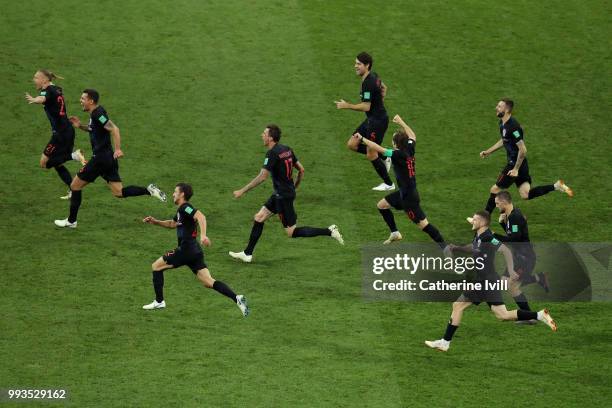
(492, 240)
(189, 211)
(295, 159)
(270, 161)
(517, 227)
(48, 93)
(516, 133)
(501, 237)
(368, 89)
(100, 117)
(411, 146)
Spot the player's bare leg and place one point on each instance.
(116, 188)
(43, 161)
(353, 144)
(524, 190)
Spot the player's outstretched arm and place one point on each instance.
(372, 145)
(502, 237)
(522, 153)
(300, 175)
(361, 106)
(76, 123)
(111, 127)
(398, 119)
(39, 99)
(507, 253)
(261, 177)
(165, 223)
(460, 248)
(201, 219)
(491, 149)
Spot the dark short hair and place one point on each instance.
(92, 94)
(365, 59)
(485, 215)
(401, 139)
(186, 189)
(274, 132)
(504, 196)
(509, 103)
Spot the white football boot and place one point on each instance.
(155, 305)
(394, 236)
(156, 192)
(242, 305)
(242, 256)
(65, 223)
(441, 344)
(78, 155)
(545, 317)
(335, 234)
(564, 188)
(384, 187)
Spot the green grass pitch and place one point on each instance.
(191, 84)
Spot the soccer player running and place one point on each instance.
(485, 246)
(516, 170)
(376, 122)
(104, 160)
(189, 252)
(516, 237)
(407, 198)
(59, 149)
(280, 161)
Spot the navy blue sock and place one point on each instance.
(389, 219)
(132, 191)
(75, 203)
(255, 234)
(540, 191)
(380, 168)
(521, 302)
(433, 232)
(526, 315)
(64, 174)
(491, 203)
(224, 290)
(306, 232)
(450, 331)
(158, 285)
